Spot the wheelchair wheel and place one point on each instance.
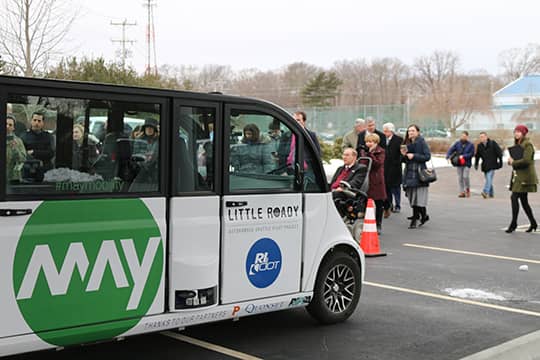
(357, 229)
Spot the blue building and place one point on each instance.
(516, 103)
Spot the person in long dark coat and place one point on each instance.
(392, 170)
(377, 189)
(415, 153)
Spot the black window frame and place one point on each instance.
(288, 121)
(3, 172)
(177, 103)
(92, 93)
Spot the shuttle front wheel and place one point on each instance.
(337, 289)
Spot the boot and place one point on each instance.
(468, 193)
(415, 217)
(424, 217)
(511, 228)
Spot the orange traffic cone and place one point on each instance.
(369, 241)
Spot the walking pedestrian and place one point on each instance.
(392, 170)
(460, 156)
(377, 189)
(415, 153)
(523, 179)
(491, 154)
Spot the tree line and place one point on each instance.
(436, 84)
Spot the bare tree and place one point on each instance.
(447, 94)
(356, 75)
(32, 32)
(517, 62)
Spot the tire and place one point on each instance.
(339, 278)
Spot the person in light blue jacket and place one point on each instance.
(460, 156)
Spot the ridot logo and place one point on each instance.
(263, 263)
(86, 263)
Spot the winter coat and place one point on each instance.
(392, 161)
(15, 157)
(355, 178)
(422, 154)
(43, 146)
(362, 140)
(253, 158)
(377, 188)
(350, 140)
(78, 154)
(462, 148)
(524, 175)
(313, 137)
(491, 155)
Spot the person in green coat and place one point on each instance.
(15, 151)
(523, 180)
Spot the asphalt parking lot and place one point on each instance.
(445, 291)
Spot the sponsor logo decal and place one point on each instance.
(87, 262)
(263, 263)
(260, 308)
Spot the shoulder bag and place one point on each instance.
(426, 175)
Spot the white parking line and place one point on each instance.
(209, 346)
(531, 261)
(449, 298)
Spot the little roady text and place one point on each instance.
(277, 212)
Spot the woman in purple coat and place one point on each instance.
(377, 188)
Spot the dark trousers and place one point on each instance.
(379, 207)
(393, 194)
(523, 197)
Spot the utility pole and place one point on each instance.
(124, 52)
(150, 39)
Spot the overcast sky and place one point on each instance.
(270, 34)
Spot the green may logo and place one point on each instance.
(76, 257)
(87, 270)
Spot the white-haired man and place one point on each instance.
(350, 139)
(392, 170)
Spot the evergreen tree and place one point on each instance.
(321, 90)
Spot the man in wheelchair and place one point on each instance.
(348, 185)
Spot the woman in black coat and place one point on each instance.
(415, 153)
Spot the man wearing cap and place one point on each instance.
(350, 139)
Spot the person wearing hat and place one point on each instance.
(523, 179)
(150, 145)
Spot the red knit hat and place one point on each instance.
(522, 129)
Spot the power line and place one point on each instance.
(124, 52)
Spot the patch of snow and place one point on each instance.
(524, 268)
(474, 294)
